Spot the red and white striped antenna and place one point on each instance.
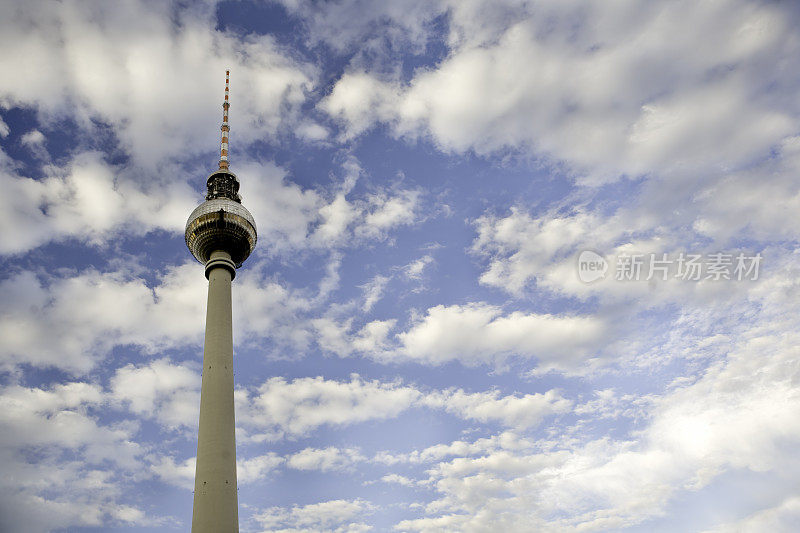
(223, 150)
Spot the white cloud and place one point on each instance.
(508, 440)
(73, 322)
(34, 140)
(342, 221)
(332, 516)
(520, 412)
(59, 417)
(311, 131)
(783, 517)
(684, 97)
(283, 210)
(398, 479)
(522, 248)
(256, 468)
(89, 200)
(162, 390)
(343, 25)
(610, 90)
(359, 99)
(90, 62)
(295, 408)
(291, 218)
(336, 217)
(373, 291)
(62, 466)
(301, 405)
(324, 459)
(268, 309)
(733, 417)
(414, 269)
(372, 339)
(93, 201)
(524, 253)
(473, 334)
(332, 336)
(607, 403)
(181, 474)
(178, 474)
(480, 334)
(387, 212)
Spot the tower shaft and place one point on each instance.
(215, 494)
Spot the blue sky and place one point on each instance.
(416, 347)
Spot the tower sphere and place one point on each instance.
(221, 224)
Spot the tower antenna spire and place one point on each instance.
(223, 150)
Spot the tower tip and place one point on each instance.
(223, 151)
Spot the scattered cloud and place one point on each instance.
(89, 63)
(482, 334)
(782, 517)
(71, 323)
(80, 462)
(324, 459)
(256, 468)
(303, 404)
(541, 129)
(162, 390)
(520, 412)
(373, 290)
(414, 269)
(295, 408)
(564, 81)
(88, 200)
(335, 516)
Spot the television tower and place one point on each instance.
(220, 233)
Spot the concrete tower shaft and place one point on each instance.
(216, 504)
(221, 234)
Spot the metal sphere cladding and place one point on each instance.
(221, 222)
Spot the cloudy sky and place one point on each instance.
(418, 346)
